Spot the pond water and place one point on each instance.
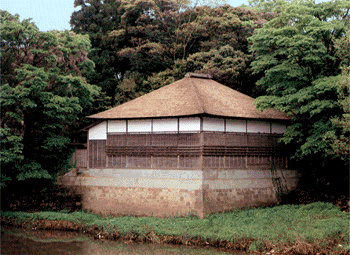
(23, 242)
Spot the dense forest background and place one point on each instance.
(290, 55)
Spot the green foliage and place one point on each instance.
(271, 5)
(220, 47)
(11, 147)
(43, 93)
(96, 19)
(257, 245)
(139, 46)
(32, 170)
(306, 75)
(227, 65)
(281, 224)
(337, 138)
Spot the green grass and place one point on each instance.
(281, 224)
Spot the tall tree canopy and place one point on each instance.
(149, 43)
(304, 56)
(224, 48)
(97, 18)
(43, 92)
(131, 40)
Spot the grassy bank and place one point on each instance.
(318, 227)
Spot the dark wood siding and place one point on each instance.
(185, 150)
(117, 161)
(97, 153)
(165, 162)
(79, 158)
(157, 150)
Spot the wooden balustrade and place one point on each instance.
(186, 150)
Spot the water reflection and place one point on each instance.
(17, 241)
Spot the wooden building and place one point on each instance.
(192, 147)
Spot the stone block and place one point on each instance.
(176, 192)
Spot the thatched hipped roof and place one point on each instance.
(192, 95)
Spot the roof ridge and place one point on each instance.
(198, 75)
(195, 90)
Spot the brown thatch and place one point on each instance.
(187, 97)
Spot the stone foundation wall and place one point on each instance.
(227, 189)
(176, 192)
(220, 200)
(139, 192)
(143, 201)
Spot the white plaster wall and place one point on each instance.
(257, 126)
(182, 179)
(165, 125)
(213, 124)
(228, 179)
(139, 178)
(98, 132)
(236, 125)
(142, 125)
(117, 126)
(278, 128)
(189, 124)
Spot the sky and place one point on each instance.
(55, 14)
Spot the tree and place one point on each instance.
(224, 48)
(43, 93)
(220, 47)
(97, 19)
(142, 45)
(337, 138)
(152, 35)
(268, 5)
(306, 74)
(132, 40)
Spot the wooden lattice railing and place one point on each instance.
(186, 150)
(79, 158)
